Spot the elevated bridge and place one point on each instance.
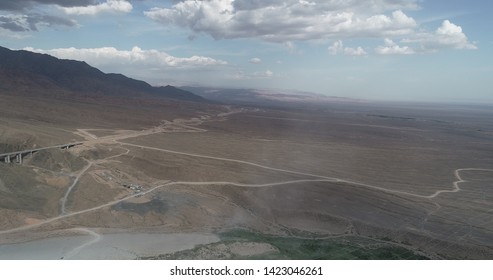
(19, 155)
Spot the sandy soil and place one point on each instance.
(246, 249)
(426, 185)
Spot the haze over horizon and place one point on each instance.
(418, 50)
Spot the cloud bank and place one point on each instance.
(110, 6)
(136, 57)
(20, 5)
(303, 20)
(32, 22)
(447, 36)
(283, 21)
(278, 21)
(29, 15)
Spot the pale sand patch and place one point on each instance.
(251, 248)
(57, 181)
(32, 221)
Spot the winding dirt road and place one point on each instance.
(91, 140)
(69, 190)
(456, 187)
(63, 216)
(326, 178)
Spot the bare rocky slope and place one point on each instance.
(28, 72)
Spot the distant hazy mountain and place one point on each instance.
(263, 97)
(26, 72)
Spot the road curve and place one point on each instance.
(456, 187)
(63, 216)
(326, 178)
(115, 139)
(71, 214)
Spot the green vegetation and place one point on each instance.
(340, 248)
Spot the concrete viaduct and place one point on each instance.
(18, 156)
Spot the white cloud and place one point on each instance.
(448, 35)
(136, 58)
(285, 21)
(359, 51)
(110, 6)
(382, 25)
(289, 21)
(392, 48)
(256, 60)
(338, 47)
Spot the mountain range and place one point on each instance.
(28, 73)
(266, 97)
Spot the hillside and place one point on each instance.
(24, 72)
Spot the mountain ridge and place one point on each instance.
(30, 72)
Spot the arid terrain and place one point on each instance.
(101, 166)
(342, 180)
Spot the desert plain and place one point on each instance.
(186, 180)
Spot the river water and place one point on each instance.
(116, 246)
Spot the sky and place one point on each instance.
(415, 50)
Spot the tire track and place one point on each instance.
(63, 209)
(331, 180)
(96, 238)
(456, 187)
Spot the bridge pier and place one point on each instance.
(7, 159)
(18, 158)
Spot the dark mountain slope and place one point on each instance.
(28, 72)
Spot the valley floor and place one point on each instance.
(379, 183)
